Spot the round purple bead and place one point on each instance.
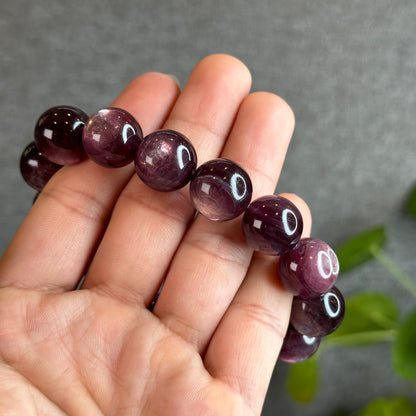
(58, 134)
(165, 160)
(36, 169)
(310, 269)
(320, 316)
(111, 137)
(221, 190)
(297, 347)
(272, 225)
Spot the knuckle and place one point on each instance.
(265, 317)
(76, 202)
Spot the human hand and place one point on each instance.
(210, 344)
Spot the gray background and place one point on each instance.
(347, 68)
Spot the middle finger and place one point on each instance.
(213, 258)
(147, 226)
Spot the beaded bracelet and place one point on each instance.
(221, 190)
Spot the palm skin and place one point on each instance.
(93, 355)
(212, 340)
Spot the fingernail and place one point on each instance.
(175, 79)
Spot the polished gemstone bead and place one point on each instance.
(310, 269)
(221, 190)
(58, 134)
(165, 160)
(111, 137)
(36, 169)
(297, 347)
(319, 316)
(272, 225)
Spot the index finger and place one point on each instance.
(55, 243)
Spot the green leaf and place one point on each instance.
(369, 317)
(359, 249)
(302, 380)
(404, 349)
(410, 205)
(389, 407)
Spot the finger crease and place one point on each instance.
(234, 255)
(179, 210)
(179, 326)
(75, 201)
(264, 316)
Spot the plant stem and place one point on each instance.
(395, 270)
(362, 338)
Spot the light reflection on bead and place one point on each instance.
(319, 316)
(111, 137)
(58, 134)
(329, 301)
(310, 269)
(297, 347)
(272, 225)
(165, 160)
(221, 190)
(36, 170)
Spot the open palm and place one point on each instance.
(210, 343)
